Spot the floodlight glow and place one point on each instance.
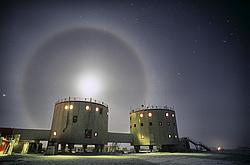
(96, 109)
(149, 114)
(71, 107)
(54, 133)
(87, 108)
(141, 115)
(66, 107)
(95, 134)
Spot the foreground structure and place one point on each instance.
(85, 122)
(154, 126)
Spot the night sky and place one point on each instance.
(191, 55)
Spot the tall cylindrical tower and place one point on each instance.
(80, 121)
(154, 126)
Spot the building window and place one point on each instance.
(173, 115)
(71, 106)
(141, 124)
(141, 115)
(54, 133)
(134, 125)
(75, 119)
(160, 123)
(168, 123)
(97, 109)
(169, 136)
(167, 114)
(87, 108)
(149, 114)
(150, 123)
(130, 126)
(100, 110)
(88, 133)
(175, 136)
(142, 136)
(130, 118)
(66, 107)
(95, 134)
(174, 124)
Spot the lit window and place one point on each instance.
(141, 124)
(167, 114)
(87, 108)
(142, 136)
(149, 114)
(66, 107)
(141, 115)
(172, 115)
(96, 109)
(168, 123)
(169, 136)
(54, 133)
(71, 107)
(175, 136)
(160, 123)
(95, 134)
(100, 110)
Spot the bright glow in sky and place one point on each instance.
(90, 85)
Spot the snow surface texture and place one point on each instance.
(138, 159)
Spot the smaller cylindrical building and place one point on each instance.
(154, 126)
(79, 121)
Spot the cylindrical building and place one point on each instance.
(154, 126)
(80, 121)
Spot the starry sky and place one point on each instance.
(190, 55)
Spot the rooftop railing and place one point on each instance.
(146, 107)
(92, 100)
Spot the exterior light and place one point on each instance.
(141, 115)
(87, 108)
(96, 109)
(167, 114)
(142, 136)
(95, 134)
(219, 148)
(66, 107)
(172, 115)
(175, 136)
(71, 106)
(169, 136)
(54, 133)
(149, 114)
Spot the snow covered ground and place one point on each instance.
(141, 158)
